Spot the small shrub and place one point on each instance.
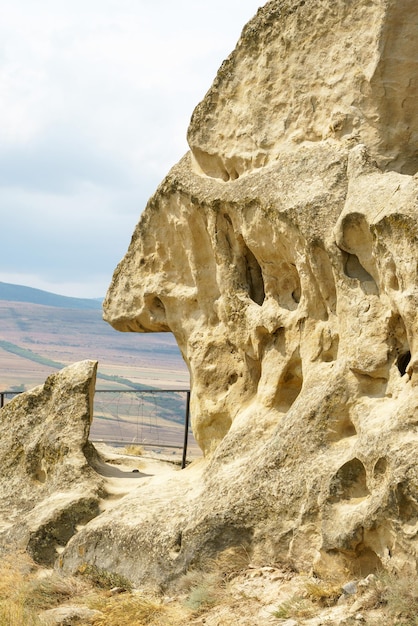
(188, 581)
(398, 594)
(103, 578)
(134, 450)
(295, 607)
(323, 592)
(204, 595)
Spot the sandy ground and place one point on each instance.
(122, 472)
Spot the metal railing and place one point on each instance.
(7, 394)
(155, 418)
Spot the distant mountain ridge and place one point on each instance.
(20, 293)
(41, 332)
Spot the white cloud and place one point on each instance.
(94, 107)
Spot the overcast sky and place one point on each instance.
(95, 101)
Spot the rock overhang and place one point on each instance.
(281, 252)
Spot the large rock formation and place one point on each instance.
(48, 486)
(282, 253)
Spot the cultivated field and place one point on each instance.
(37, 340)
(64, 336)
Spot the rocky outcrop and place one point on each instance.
(309, 71)
(48, 486)
(282, 253)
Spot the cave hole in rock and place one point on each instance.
(366, 562)
(400, 353)
(374, 387)
(253, 367)
(330, 353)
(253, 275)
(296, 295)
(403, 362)
(285, 284)
(356, 241)
(40, 475)
(340, 427)
(157, 305)
(354, 269)
(232, 379)
(289, 290)
(349, 483)
(380, 468)
(177, 543)
(392, 280)
(232, 539)
(290, 383)
(156, 308)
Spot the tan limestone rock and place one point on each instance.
(281, 251)
(311, 70)
(48, 487)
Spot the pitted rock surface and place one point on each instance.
(48, 487)
(282, 253)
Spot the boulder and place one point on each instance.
(48, 488)
(281, 251)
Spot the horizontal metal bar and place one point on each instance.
(136, 443)
(142, 390)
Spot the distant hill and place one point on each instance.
(41, 332)
(19, 293)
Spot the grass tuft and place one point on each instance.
(49, 592)
(323, 592)
(134, 450)
(132, 610)
(297, 606)
(398, 595)
(205, 594)
(104, 579)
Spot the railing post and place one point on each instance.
(186, 431)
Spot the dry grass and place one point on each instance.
(24, 593)
(297, 606)
(26, 590)
(131, 610)
(207, 587)
(323, 592)
(53, 590)
(104, 579)
(134, 450)
(397, 595)
(313, 595)
(13, 609)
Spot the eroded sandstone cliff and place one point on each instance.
(282, 253)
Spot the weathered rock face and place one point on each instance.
(308, 71)
(282, 254)
(48, 487)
